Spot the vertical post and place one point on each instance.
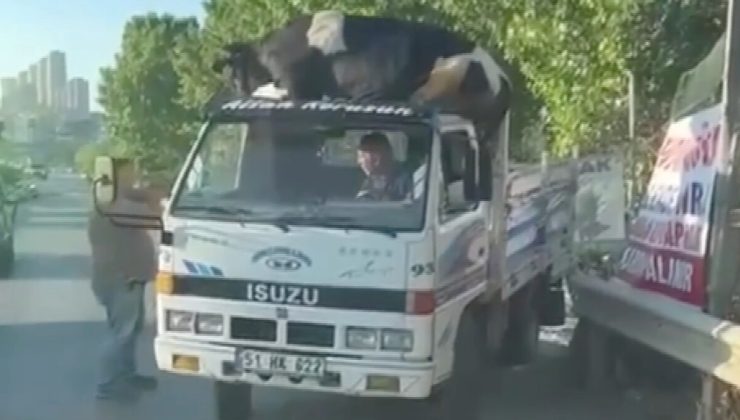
(725, 241)
(575, 169)
(631, 99)
(725, 244)
(630, 163)
(706, 408)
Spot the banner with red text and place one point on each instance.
(667, 241)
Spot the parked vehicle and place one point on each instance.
(39, 170)
(29, 190)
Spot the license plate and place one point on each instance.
(286, 364)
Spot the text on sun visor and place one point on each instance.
(245, 104)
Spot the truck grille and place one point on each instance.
(315, 335)
(253, 329)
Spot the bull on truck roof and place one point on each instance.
(367, 59)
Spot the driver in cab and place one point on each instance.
(385, 180)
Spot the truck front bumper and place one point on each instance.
(358, 377)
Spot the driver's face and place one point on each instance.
(370, 161)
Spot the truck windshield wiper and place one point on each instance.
(339, 222)
(231, 211)
(236, 211)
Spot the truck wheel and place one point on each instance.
(552, 303)
(233, 401)
(522, 337)
(460, 396)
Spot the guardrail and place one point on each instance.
(681, 331)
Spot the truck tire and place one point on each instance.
(233, 400)
(522, 337)
(459, 398)
(552, 303)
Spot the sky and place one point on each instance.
(88, 31)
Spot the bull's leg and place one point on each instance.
(310, 78)
(298, 89)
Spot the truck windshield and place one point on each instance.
(281, 172)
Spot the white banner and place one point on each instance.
(667, 251)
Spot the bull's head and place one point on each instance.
(473, 85)
(241, 68)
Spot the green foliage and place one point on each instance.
(84, 158)
(8, 152)
(573, 54)
(140, 92)
(10, 175)
(668, 37)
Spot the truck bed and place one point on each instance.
(540, 221)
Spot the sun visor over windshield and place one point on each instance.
(260, 107)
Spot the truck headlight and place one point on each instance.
(398, 340)
(362, 338)
(209, 324)
(180, 321)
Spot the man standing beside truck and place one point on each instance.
(124, 259)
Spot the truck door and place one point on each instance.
(461, 245)
(461, 242)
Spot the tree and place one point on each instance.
(84, 157)
(7, 151)
(10, 175)
(140, 92)
(667, 38)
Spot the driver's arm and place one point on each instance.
(402, 188)
(364, 191)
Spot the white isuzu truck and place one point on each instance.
(273, 273)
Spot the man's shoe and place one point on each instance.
(119, 393)
(145, 383)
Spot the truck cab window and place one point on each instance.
(216, 168)
(455, 147)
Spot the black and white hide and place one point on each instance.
(362, 58)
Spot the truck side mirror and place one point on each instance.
(470, 178)
(104, 180)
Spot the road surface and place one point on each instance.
(51, 329)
